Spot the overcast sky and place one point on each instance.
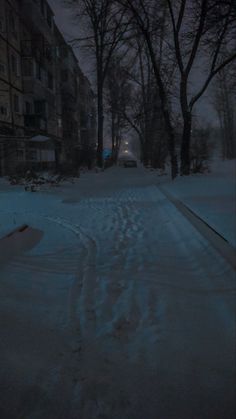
(68, 27)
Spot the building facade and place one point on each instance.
(11, 89)
(41, 99)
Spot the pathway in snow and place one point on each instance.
(123, 310)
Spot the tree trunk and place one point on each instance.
(171, 146)
(164, 108)
(222, 133)
(113, 133)
(185, 145)
(100, 125)
(229, 123)
(142, 149)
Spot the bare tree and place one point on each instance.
(149, 114)
(103, 31)
(147, 21)
(200, 26)
(132, 100)
(117, 97)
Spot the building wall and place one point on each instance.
(76, 108)
(11, 94)
(39, 68)
(40, 81)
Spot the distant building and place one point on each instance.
(41, 99)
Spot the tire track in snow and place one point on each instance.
(83, 275)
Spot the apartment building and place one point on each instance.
(11, 93)
(70, 101)
(87, 113)
(39, 68)
(40, 96)
(78, 106)
(87, 117)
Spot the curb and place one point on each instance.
(219, 242)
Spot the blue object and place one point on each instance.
(106, 153)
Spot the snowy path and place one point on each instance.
(123, 310)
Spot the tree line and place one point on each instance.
(146, 54)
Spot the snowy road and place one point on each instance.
(122, 311)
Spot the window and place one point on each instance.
(38, 45)
(33, 155)
(14, 65)
(58, 52)
(16, 103)
(2, 68)
(50, 81)
(38, 71)
(48, 52)
(27, 108)
(12, 24)
(40, 107)
(64, 75)
(83, 119)
(3, 110)
(26, 48)
(27, 67)
(20, 154)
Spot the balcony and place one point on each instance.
(39, 89)
(39, 48)
(35, 122)
(32, 85)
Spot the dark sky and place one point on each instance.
(64, 20)
(62, 15)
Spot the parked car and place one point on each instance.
(130, 163)
(121, 162)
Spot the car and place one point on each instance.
(130, 163)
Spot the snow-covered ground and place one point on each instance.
(122, 310)
(212, 197)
